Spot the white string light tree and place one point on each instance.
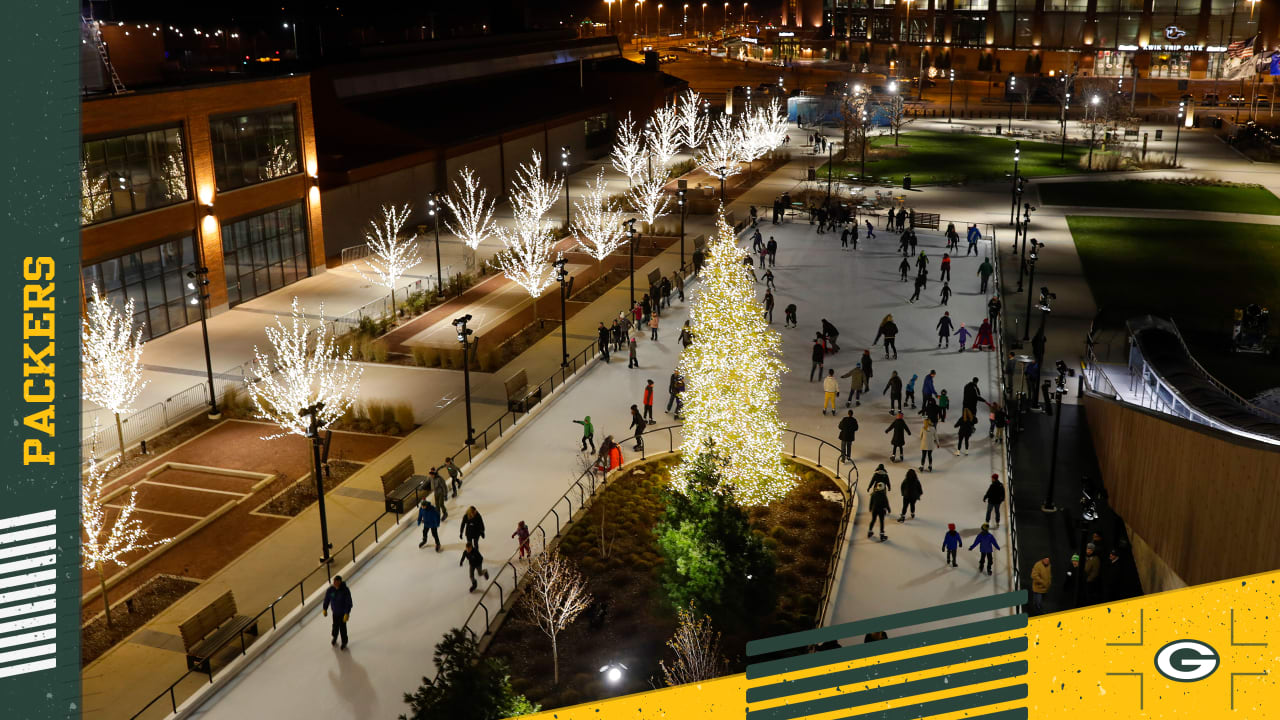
(111, 358)
(529, 243)
(693, 119)
(391, 255)
(662, 137)
(472, 210)
(555, 594)
(598, 220)
(628, 155)
(770, 123)
(107, 540)
(732, 372)
(648, 196)
(723, 150)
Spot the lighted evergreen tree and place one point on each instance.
(466, 686)
(731, 372)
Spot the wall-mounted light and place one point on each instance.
(208, 209)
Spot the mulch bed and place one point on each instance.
(801, 529)
(129, 614)
(162, 443)
(302, 494)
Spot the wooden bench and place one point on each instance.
(927, 221)
(399, 483)
(211, 629)
(521, 397)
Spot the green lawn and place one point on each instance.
(936, 157)
(1156, 194)
(1196, 272)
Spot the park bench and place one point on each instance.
(211, 629)
(927, 221)
(399, 483)
(520, 397)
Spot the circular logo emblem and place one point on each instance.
(1187, 660)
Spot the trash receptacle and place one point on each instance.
(997, 129)
(906, 182)
(813, 174)
(1159, 134)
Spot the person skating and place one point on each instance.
(965, 426)
(929, 390)
(912, 491)
(904, 268)
(910, 391)
(768, 281)
(902, 218)
(844, 239)
(677, 282)
(475, 560)
(871, 229)
(919, 285)
(853, 233)
(856, 381)
(751, 267)
(998, 419)
(698, 259)
(455, 475)
(832, 335)
(897, 441)
(865, 362)
(893, 389)
(632, 362)
(951, 542)
(944, 403)
(1041, 581)
(772, 248)
(929, 410)
(993, 311)
(686, 335)
(889, 331)
(879, 506)
(889, 218)
(994, 498)
(985, 271)
(963, 333)
(904, 244)
(440, 491)
(522, 537)
(973, 236)
(429, 519)
(830, 391)
(602, 334)
(972, 396)
(675, 385)
(944, 329)
(588, 433)
(953, 237)
(768, 307)
(648, 402)
(472, 527)
(944, 267)
(986, 544)
(817, 354)
(638, 423)
(338, 598)
(881, 476)
(789, 316)
(985, 340)
(653, 328)
(945, 296)
(922, 261)
(848, 429)
(928, 443)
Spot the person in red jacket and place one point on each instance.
(648, 402)
(946, 267)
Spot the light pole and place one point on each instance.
(433, 210)
(1066, 105)
(827, 202)
(659, 21)
(565, 152)
(1093, 129)
(198, 280)
(897, 109)
(724, 24)
(1177, 133)
(1026, 226)
(631, 245)
(951, 96)
(609, 4)
(566, 285)
(863, 141)
(1013, 82)
(646, 18)
(722, 172)
(294, 26)
(702, 22)
(743, 19)
(1061, 390)
(683, 202)
(1013, 188)
(460, 324)
(1031, 270)
(684, 22)
(313, 434)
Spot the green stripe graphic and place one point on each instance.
(950, 705)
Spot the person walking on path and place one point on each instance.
(965, 426)
(602, 334)
(455, 475)
(648, 401)
(879, 506)
(653, 328)
(889, 331)
(675, 386)
(910, 391)
(632, 362)
(985, 271)
(472, 527)
(945, 296)
(994, 498)
(639, 424)
(951, 542)
(817, 354)
(929, 390)
(440, 491)
(830, 391)
(963, 333)
(944, 272)
(848, 429)
(897, 441)
(1092, 574)
(866, 371)
(475, 566)
(522, 537)
(944, 329)
(919, 285)
(768, 307)
(588, 433)
(986, 544)
(429, 519)
(911, 492)
(904, 268)
(1041, 581)
(789, 316)
(893, 389)
(338, 599)
(857, 380)
(928, 443)
(985, 340)
(944, 402)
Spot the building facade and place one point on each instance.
(220, 176)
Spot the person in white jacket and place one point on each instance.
(928, 442)
(830, 389)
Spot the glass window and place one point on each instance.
(128, 174)
(254, 147)
(970, 31)
(157, 286)
(268, 252)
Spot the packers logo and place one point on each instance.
(1187, 660)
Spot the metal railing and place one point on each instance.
(1246, 405)
(377, 309)
(1015, 573)
(580, 495)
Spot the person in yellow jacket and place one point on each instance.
(1041, 581)
(830, 389)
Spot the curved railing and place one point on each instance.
(488, 610)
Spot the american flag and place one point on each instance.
(1241, 49)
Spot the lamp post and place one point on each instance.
(198, 280)
(1066, 105)
(684, 22)
(683, 202)
(1013, 82)
(724, 22)
(294, 26)
(433, 210)
(565, 152)
(460, 324)
(631, 245)
(722, 172)
(566, 282)
(313, 434)
(1013, 188)
(1026, 227)
(829, 159)
(862, 140)
(702, 22)
(1177, 133)
(1048, 505)
(609, 4)
(1031, 270)
(1093, 129)
(951, 96)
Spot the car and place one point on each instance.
(1235, 99)
(1262, 100)
(1210, 99)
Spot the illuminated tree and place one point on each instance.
(280, 163)
(722, 150)
(107, 540)
(529, 242)
(93, 195)
(598, 220)
(894, 110)
(857, 125)
(111, 358)
(763, 130)
(555, 593)
(731, 372)
(628, 150)
(305, 369)
(697, 649)
(648, 196)
(472, 209)
(662, 137)
(693, 119)
(390, 254)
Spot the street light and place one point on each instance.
(702, 22)
(1177, 133)
(460, 324)
(565, 152)
(1059, 391)
(722, 172)
(1068, 81)
(683, 202)
(313, 433)
(1017, 155)
(724, 25)
(295, 37)
(198, 281)
(433, 206)
(1031, 270)
(659, 19)
(1026, 227)
(1093, 129)
(566, 287)
(609, 4)
(631, 245)
(1013, 82)
(951, 97)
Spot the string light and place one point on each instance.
(662, 136)
(723, 149)
(527, 260)
(731, 372)
(693, 119)
(111, 358)
(648, 196)
(628, 151)
(598, 221)
(391, 255)
(473, 209)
